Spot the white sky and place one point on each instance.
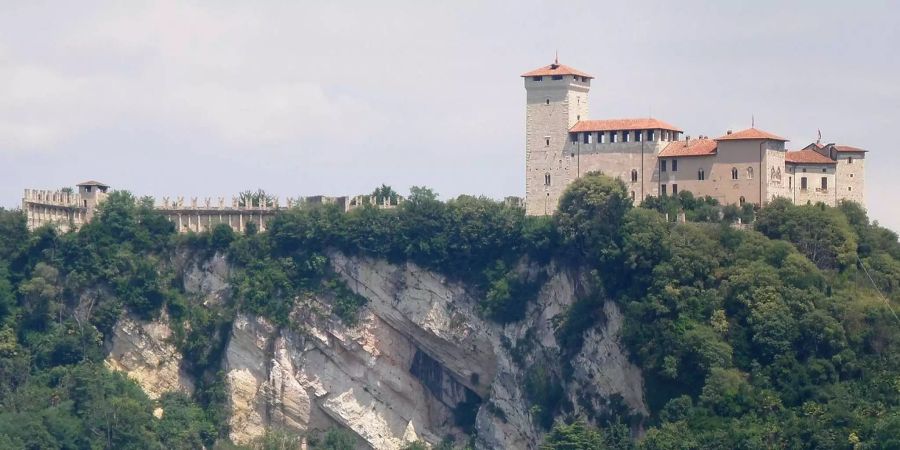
(302, 98)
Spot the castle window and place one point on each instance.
(638, 135)
(851, 175)
(850, 160)
(824, 183)
(634, 176)
(632, 195)
(651, 135)
(665, 135)
(662, 165)
(625, 136)
(574, 137)
(734, 173)
(613, 136)
(803, 183)
(600, 137)
(701, 175)
(87, 189)
(547, 140)
(790, 179)
(557, 77)
(749, 173)
(849, 188)
(742, 200)
(548, 101)
(823, 170)
(662, 189)
(674, 165)
(587, 138)
(674, 189)
(537, 78)
(546, 179)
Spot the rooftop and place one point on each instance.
(92, 183)
(750, 133)
(556, 69)
(694, 147)
(847, 148)
(622, 124)
(807, 157)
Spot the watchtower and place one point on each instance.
(92, 193)
(556, 98)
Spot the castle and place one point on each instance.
(69, 210)
(650, 156)
(654, 158)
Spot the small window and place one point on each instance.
(574, 138)
(803, 183)
(804, 170)
(87, 189)
(557, 77)
(85, 203)
(849, 188)
(638, 135)
(632, 195)
(600, 138)
(674, 165)
(662, 165)
(701, 175)
(625, 136)
(547, 140)
(587, 138)
(662, 189)
(651, 135)
(634, 175)
(742, 200)
(824, 183)
(850, 160)
(537, 78)
(674, 189)
(790, 180)
(734, 173)
(851, 175)
(613, 136)
(548, 101)
(749, 173)
(546, 179)
(823, 170)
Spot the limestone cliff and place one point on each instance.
(420, 364)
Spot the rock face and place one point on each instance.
(420, 364)
(143, 351)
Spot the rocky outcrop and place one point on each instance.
(143, 351)
(420, 364)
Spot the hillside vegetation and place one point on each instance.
(769, 337)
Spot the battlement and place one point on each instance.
(69, 210)
(54, 198)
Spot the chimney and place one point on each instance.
(729, 132)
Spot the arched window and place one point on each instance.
(749, 173)
(701, 175)
(634, 176)
(778, 174)
(632, 195)
(734, 173)
(742, 200)
(546, 179)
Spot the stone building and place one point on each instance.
(67, 210)
(653, 158)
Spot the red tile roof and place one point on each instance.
(555, 69)
(622, 124)
(847, 148)
(750, 133)
(694, 147)
(807, 157)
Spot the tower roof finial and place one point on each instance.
(556, 59)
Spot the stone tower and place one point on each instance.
(92, 193)
(556, 98)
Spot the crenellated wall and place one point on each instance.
(69, 210)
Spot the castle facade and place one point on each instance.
(654, 158)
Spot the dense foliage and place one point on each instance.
(761, 338)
